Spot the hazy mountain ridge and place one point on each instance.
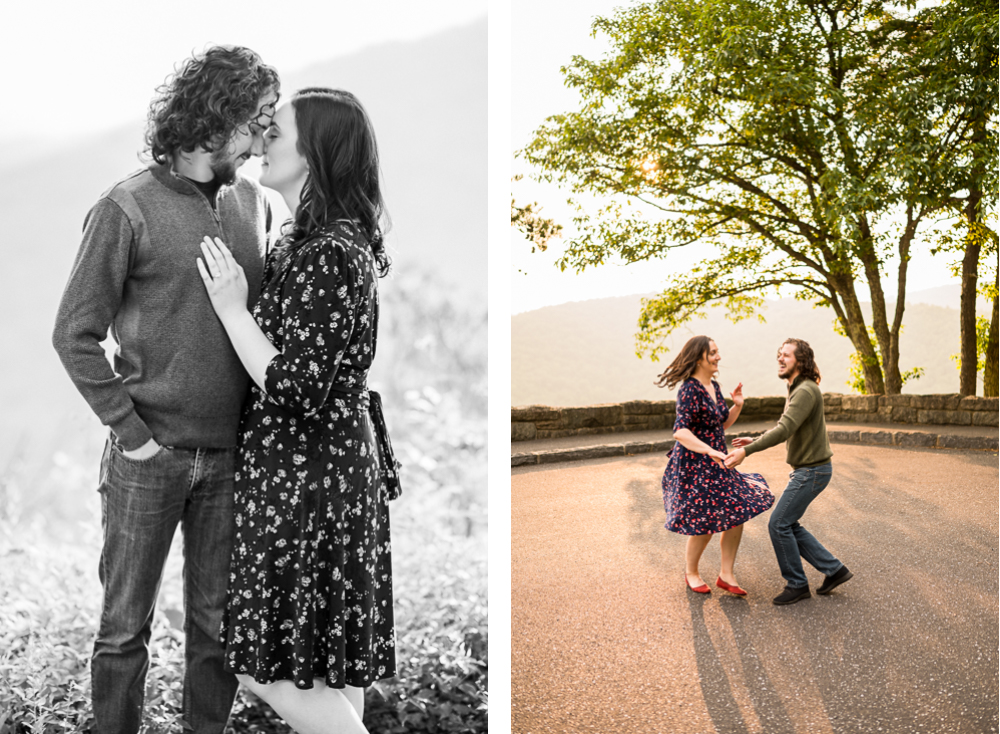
(583, 353)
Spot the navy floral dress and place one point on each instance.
(700, 496)
(310, 587)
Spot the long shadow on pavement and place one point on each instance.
(765, 699)
(715, 689)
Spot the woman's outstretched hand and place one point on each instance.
(737, 396)
(718, 457)
(224, 279)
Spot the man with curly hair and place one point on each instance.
(172, 400)
(803, 426)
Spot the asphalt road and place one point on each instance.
(606, 638)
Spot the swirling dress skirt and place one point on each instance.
(700, 497)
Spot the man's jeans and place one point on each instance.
(791, 541)
(141, 503)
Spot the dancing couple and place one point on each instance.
(237, 404)
(704, 494)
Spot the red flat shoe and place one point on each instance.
(703, 589)
(731, 588)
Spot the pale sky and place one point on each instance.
(545, 35)
(75, 68)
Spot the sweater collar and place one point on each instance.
(166, 175)
(795, 383)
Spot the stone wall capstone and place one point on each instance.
(542, 421)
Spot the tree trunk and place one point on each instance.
(880, 323)
(970, 263)
(969, 354)
(991, 371)
(857, 332)
(891, 361)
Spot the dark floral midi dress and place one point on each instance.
(700, 496)
(310, 587)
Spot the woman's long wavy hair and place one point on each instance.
(207, 100)
(805, 360)
(337, 140)
(686, 362)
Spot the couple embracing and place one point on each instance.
(704, 494)
(237, 404)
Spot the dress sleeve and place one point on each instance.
(687, 406)
(319, 306)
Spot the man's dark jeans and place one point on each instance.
(791, 541)
(142, 501)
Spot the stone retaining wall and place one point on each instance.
(541, 421)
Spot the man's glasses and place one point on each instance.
(261, 122)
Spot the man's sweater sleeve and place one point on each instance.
(88, 307)
(800, 404)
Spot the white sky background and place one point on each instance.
(546, 34)
(82, 67)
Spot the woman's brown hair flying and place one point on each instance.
(685, 363)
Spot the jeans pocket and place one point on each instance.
(801, 478)
(161, 451)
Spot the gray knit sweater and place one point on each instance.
(176, 377)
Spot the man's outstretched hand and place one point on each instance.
(735, 457)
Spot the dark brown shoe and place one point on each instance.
(832, 582)
(791, 595)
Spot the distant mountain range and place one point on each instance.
(583, 353)
(946, 296)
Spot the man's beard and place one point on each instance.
(223, 166)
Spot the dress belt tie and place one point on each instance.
(390, 466)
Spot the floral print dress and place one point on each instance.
(310, 588)
(700, 496)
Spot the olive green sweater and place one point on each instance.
(802, 425)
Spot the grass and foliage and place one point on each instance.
(434, 395)
(50, 602)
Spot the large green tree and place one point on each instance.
(768, 133)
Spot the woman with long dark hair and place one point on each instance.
(701, 496)
(309, 617)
